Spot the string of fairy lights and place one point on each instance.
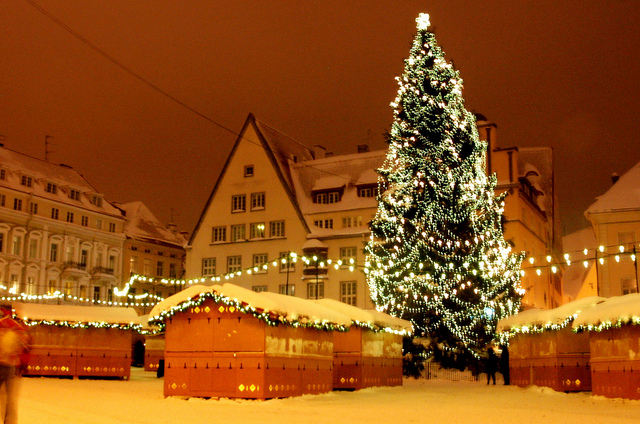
(531, 264)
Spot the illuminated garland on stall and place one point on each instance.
(268, 317)
(69, 324)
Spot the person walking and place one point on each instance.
(492, 365)
(504, 364)
(14, 357)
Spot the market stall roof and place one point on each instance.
(547, 318)
(613, 312)
(95, 316)
(369, 317)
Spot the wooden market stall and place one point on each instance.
(226, 341)
(613, 328)
(79, 341)
(370, 353)
(543, 349)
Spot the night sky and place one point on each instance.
(560, 74)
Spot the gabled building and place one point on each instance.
(615, 218)
(60, 240)
(275, 197)
(153, 251)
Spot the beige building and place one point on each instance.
(60, 240)
(530, 214)
(153, 253)
(615, 218)
(277, 201)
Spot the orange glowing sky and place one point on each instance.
(546, 72)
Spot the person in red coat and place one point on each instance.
(14, 358)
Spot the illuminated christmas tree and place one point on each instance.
(437, 254)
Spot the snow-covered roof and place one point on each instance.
(623, 195)
(143, 225)
(42, 173)
(266, 306)
(543, 319)
(368, 317)
(614, 311)
(349, 171)
(76, 315)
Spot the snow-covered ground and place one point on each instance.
(140, 400)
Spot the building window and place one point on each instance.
(112, 227)
(99, 224)
(315, 290)
(286, 263)
(112, 263)
(69, 216)
(237, 232)
(97, 201)
(55, 213)
(33, 208)
(146, 267)
(96, 293)
(257, 230)
(327, 197)
(51, 287)
(172, 271)
(53, 252)
(84, 221)
(248, 171)
(239, 203)
(17, 204)
(1, 242)
(17, 245)
(84, 257)
(160, 269)
(51, 188)
(629, 285)
(74, 194)
(133, 264)
(288, 289)
(257, 201)
(33, 249)
(208, 267)
(349, 221)
(323, 223)
(348, 255)
(234, 263)
(3, 174)
(218, 234)
(276, 229)
(627, 239)
(259, 260)
(26, 181)
(3, 200)
(259, 289)
(348, 292)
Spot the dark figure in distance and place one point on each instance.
(492, 365)
(504, 364)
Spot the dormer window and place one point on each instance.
(327, 197)
(97, 201)
(248, 171)
(368, 190)
(3, 174)
(26, 181)
(74, 194)
(51, 188)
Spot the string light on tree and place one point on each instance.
(437, 255)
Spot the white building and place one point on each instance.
(59, 238)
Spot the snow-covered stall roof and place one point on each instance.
(613, 312)
(77, 316)
(369, 318)
(537, 320)
(269, 307)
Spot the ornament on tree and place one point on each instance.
(437, 254)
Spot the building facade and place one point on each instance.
(60, 240)
(615, 219)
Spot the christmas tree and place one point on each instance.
(437, 254)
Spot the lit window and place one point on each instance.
(257, 230)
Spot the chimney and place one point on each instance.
(363, 148)
(615, 177)
(319, 152)
(173, 228)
